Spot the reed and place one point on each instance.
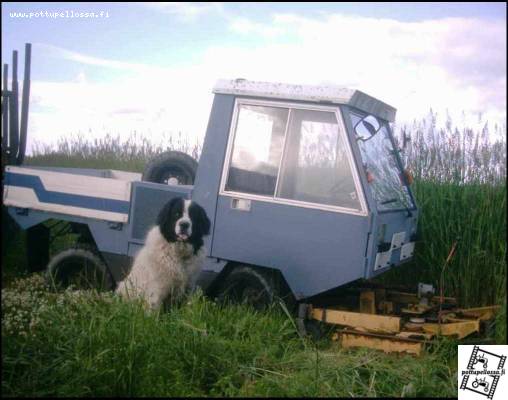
(460, 187)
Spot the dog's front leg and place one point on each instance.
(155, 300)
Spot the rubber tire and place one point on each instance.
(256, 287)
(172, 163)
(62, 268)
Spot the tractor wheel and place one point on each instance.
(80, 266)
(171, 167)
(252, 286)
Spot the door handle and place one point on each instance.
(240, 204)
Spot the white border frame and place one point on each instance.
(278, 200)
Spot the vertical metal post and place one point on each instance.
(13, 111)
(5, 114)
(24, 105)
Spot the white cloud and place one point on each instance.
(58, 52)
(161, 103)
(453, 64)
(186, 11)
(450, 63)
(245, 26)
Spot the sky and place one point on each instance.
(150, 68)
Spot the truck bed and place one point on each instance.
(98, 194)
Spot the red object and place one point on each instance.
(406, 177)
(370, 177)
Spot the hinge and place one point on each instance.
(117, 226)
(21, 211)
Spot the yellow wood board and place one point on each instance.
(482, 313)
(459, 329)
(371, 322)
(388, 345)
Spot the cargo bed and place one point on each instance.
(91, 193)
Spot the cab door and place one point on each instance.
(290, 197)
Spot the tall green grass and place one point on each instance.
(90, 344)
(452, 155)
(109, 152)
(460, 187)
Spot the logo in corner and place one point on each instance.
(481, 371)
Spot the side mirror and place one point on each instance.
(366, 128)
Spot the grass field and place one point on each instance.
(86, 344)
(89, 344)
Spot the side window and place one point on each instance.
(316, 168)
(257, 149)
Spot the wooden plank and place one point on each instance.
(386, 307)
(376, 323)
(482, 313)
(459, 329)
(415, 335)
(402, 297)
(368, 302)
(387, 344)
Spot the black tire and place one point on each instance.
(80, 266)
(171, 164)
(253, 286)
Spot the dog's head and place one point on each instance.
(183, 220)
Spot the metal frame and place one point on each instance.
(278, 200)
(14, 125)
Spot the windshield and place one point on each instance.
(380, 163)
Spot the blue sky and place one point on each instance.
(86, 72)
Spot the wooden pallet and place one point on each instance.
(376, 325)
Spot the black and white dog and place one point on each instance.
(171, 259)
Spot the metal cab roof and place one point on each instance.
(312, 93)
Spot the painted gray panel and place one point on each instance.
(395, 222)
(147, 200)
(31, 218)
(106, 238)
(109, 237)
(315, 250)
(206, 187)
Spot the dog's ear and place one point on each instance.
(165, 212)
(203, 221)
(164, 219)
